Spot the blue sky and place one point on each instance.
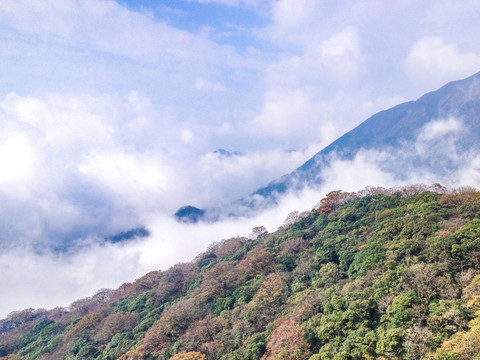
(193, 16)
(110, 111)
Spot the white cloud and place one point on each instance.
(72, 165)
(432, 59)
(439, 128)
(124, 33)
(341, 43)
(186, 136)
(343, 57)
(80, 165)
(33, 279)
(364, 170)
(292, 16)
(469, 175)
(62, 121)
(303, 115)
(205, 85)
(338, 59)
(238, 175)
(285, 113)
(141, 180)
(17, 164)
(295, 107)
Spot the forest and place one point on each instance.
(377, 274)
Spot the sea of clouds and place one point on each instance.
(110, 113)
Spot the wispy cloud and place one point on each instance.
(431, 59)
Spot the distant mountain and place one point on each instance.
(226, 153)
(396, 130)
(128, 235)
(189, 214)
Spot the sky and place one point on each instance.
(111, 112)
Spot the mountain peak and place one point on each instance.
(396, 129)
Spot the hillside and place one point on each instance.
(379, 274)
(400, 130)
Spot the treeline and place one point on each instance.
(379, 274)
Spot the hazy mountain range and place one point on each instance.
(436, 134)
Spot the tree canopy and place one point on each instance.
(379, 274)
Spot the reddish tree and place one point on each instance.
(461, 196)
(286, 342)
(333, 200)
(257, 261)
(192, 355)
(229, 247)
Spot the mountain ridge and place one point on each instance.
(394, 128)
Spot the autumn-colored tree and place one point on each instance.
(267, 300)
(333, 200)
(123, 291)
(471, 292)
(174, 282)
(229, 247)
(114, 324)
(372, 191)
(257, 261)
(271, 293)
(417, 340)
(192, 355)
(12, 357)
(171, 325)
(465, 345)
(216, 282)
(20, 317)
(420, 278)
(134, 354)
(286, 341)
(438, 188)
(460, 196)
(86, 305)
(147, 282)
(413, 189)
(201, 335)
(293, 246)
(83, 327)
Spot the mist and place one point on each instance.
(47, 279)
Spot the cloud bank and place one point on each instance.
(110, 113)
(31, 277)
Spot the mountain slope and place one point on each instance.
(396, 130)
(388, 274)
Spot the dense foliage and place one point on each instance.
(376, 275)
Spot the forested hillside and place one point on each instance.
(380, 274)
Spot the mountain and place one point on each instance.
(226, 153)
(136, 233)
(453, 113)
(380, 274)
